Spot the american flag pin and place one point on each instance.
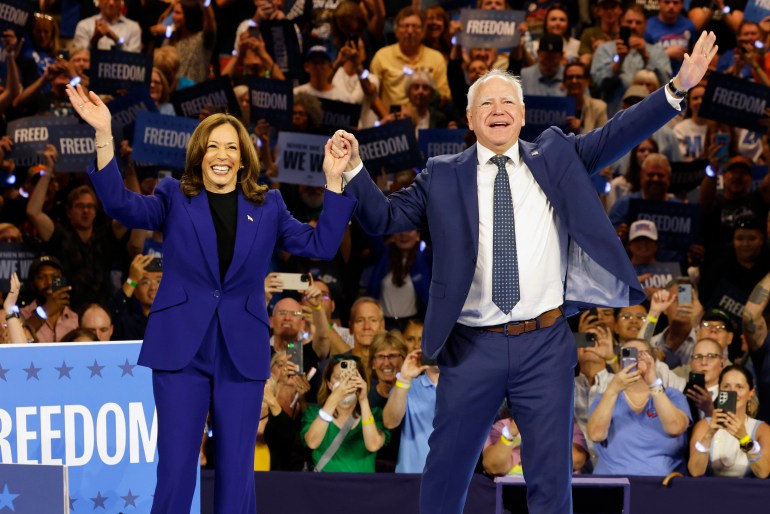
(249, 218)
(535, 153)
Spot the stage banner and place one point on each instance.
(660, 274)
(678, 223)
(76, 147)
(214, 95)
(435, 142)
(89, 407)
(124, 109)
(544, 112)
(15, 257)
(339, 115)
(15, 14)
(483, 28)
(272, 100)
(114, 71)
(756, 10)
(161, 139)
(392, 146)
(281, 41)
(300, 159)
(30, 137)
(736, 102)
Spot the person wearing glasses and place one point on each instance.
(85, 249)
(706, 358)
(108, 30)
(130, 305)
(590, 113)
(343, 431)
(386, 356)
(639, 426)
(727, 444)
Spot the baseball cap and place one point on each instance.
(643, 228)
(739, 162)
(43, 260)
(317, 50)
(551, 43)
(719, 315)
(749, 221)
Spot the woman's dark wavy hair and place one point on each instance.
(192, 178)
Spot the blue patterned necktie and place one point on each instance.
(505, 268)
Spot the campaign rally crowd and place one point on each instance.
(690, 204)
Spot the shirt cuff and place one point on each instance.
(673, 101)
(347, 176)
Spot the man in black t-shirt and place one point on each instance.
(755, 329)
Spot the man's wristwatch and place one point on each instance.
(12, 314)
(678, 93)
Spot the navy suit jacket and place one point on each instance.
(191, 292)
(444, 197)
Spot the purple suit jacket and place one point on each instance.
(191, 292)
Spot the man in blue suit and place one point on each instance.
(519, 237)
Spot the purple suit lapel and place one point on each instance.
(246, 228)
(200, 214)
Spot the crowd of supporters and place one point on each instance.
(349, 342)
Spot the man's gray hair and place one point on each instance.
(495, 73)
(419, 77)
(657, 159)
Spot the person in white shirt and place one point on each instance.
(108, 30)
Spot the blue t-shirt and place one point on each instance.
(416, 426)
(636, 444)
(681, 33)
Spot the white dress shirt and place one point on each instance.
(541, 248)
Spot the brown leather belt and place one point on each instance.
(515, 328)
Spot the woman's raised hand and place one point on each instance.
(90, 107)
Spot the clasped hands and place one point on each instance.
(340, 155)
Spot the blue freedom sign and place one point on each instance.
(435, 142)
(88, 407)
(272, 100)
(125, 108)
(15, 14)
(756, 10)
(31, 135)
(544, 112)
(736, 102)
(678, 224)
(214, 95)
(113, 71)
(392, 147)
(76, 147)
(300, 158)
(483, 28)
(161, 139)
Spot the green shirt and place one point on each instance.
(352, 455)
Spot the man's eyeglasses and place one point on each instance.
(719, 327)
(296, 314)
(629, 317)
(707, 357)
(391, 357)
(568, 78)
